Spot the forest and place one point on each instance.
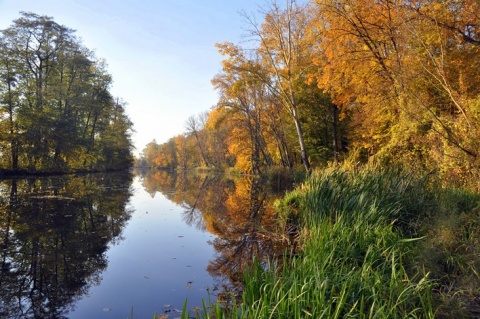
(319, 82)
(57, 113)
(377, 101)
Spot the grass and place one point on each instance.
(352, 260)
(451, 252)
(366, 246)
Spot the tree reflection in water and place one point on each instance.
(239, 211)
(54, 235)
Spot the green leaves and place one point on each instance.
(55, 102)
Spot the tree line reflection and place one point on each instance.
(238, 211)
(54, 233)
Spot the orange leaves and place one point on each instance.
(460, 17)
(361, 41)
(396, 65)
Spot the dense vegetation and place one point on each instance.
(368, 242)
(315, 83)
(56, 111)
(382, 243)
(394, 83)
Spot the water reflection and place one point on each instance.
(238, 211)
(54, 235)
(55, 232)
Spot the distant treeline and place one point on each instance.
(396, 81)
(57, 113)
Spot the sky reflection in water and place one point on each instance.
(94, 246)
(161, 261)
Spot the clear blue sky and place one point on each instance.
(160, 53)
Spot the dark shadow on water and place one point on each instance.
(54, 232)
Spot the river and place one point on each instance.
(109, 245)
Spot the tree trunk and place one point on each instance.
(335, 132)
(303, 151)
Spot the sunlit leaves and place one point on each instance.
(397, 66)
(393, 80)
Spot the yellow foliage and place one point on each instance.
(395, 67)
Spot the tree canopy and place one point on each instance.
(57, 113)
(391, 81)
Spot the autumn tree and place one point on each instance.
(458, 17)
(217, 128)
(445, 36)
(194, 126)
(277, 133)
(400, 70)
(286, 55)
(244, 96)
(182, 150)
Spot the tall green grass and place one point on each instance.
(356, 254)
(352, 258)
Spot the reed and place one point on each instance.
(357, 250)
(352, 253)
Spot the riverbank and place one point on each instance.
(370, 243)
(8, 174)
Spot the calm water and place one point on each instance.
(95, 246)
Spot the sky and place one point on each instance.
(160, 53)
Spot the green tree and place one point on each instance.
(9, 102)
(55, 102)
